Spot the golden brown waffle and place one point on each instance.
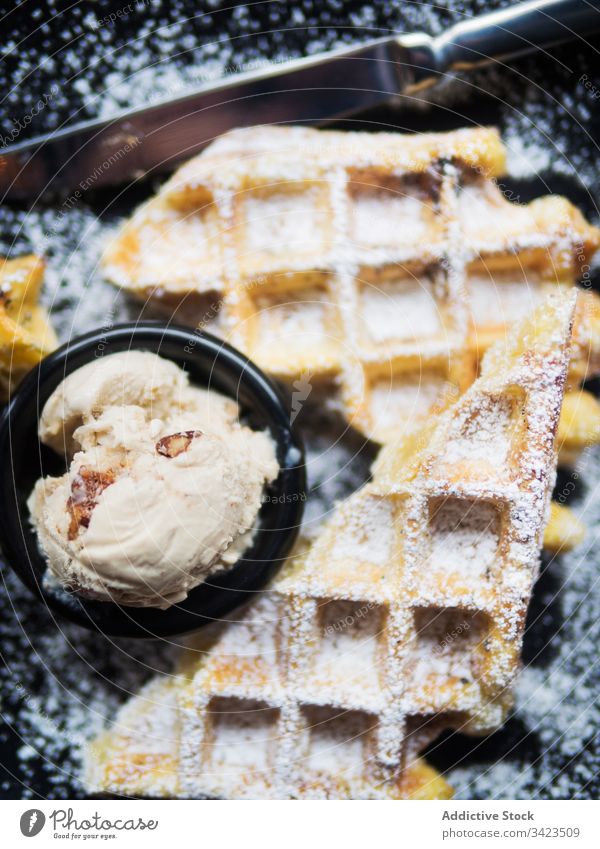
(404, 617)
(564, 530)
(25, 334)
(383, 263)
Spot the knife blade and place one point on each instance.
(313, 89)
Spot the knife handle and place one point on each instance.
(514, 31)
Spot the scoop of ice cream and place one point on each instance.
(163, 488)
(133, 378)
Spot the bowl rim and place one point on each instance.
(250, 574)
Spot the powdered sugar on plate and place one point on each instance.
(558, 702)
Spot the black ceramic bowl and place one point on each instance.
(210, 363)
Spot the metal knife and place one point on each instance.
(314, 89)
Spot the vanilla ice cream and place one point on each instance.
(163, 488)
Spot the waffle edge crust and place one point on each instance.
(25, 332)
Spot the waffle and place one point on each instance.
(404, 617)
(380, 265)
(579, 425)
(564, 530)
(25, 334)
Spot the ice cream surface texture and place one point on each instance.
(163, 487)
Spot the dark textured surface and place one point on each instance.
(544, 104)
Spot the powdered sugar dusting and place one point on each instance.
(378, 219)
(405, 401)
(74, 292)
(556, 700)
(464, 538)
(284, 221)
(497, 298)
(347, 660)
(487, 436)
(399, 309)
(367, 536)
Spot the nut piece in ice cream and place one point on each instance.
(86, 487)
(163, 488)
(176, 443)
